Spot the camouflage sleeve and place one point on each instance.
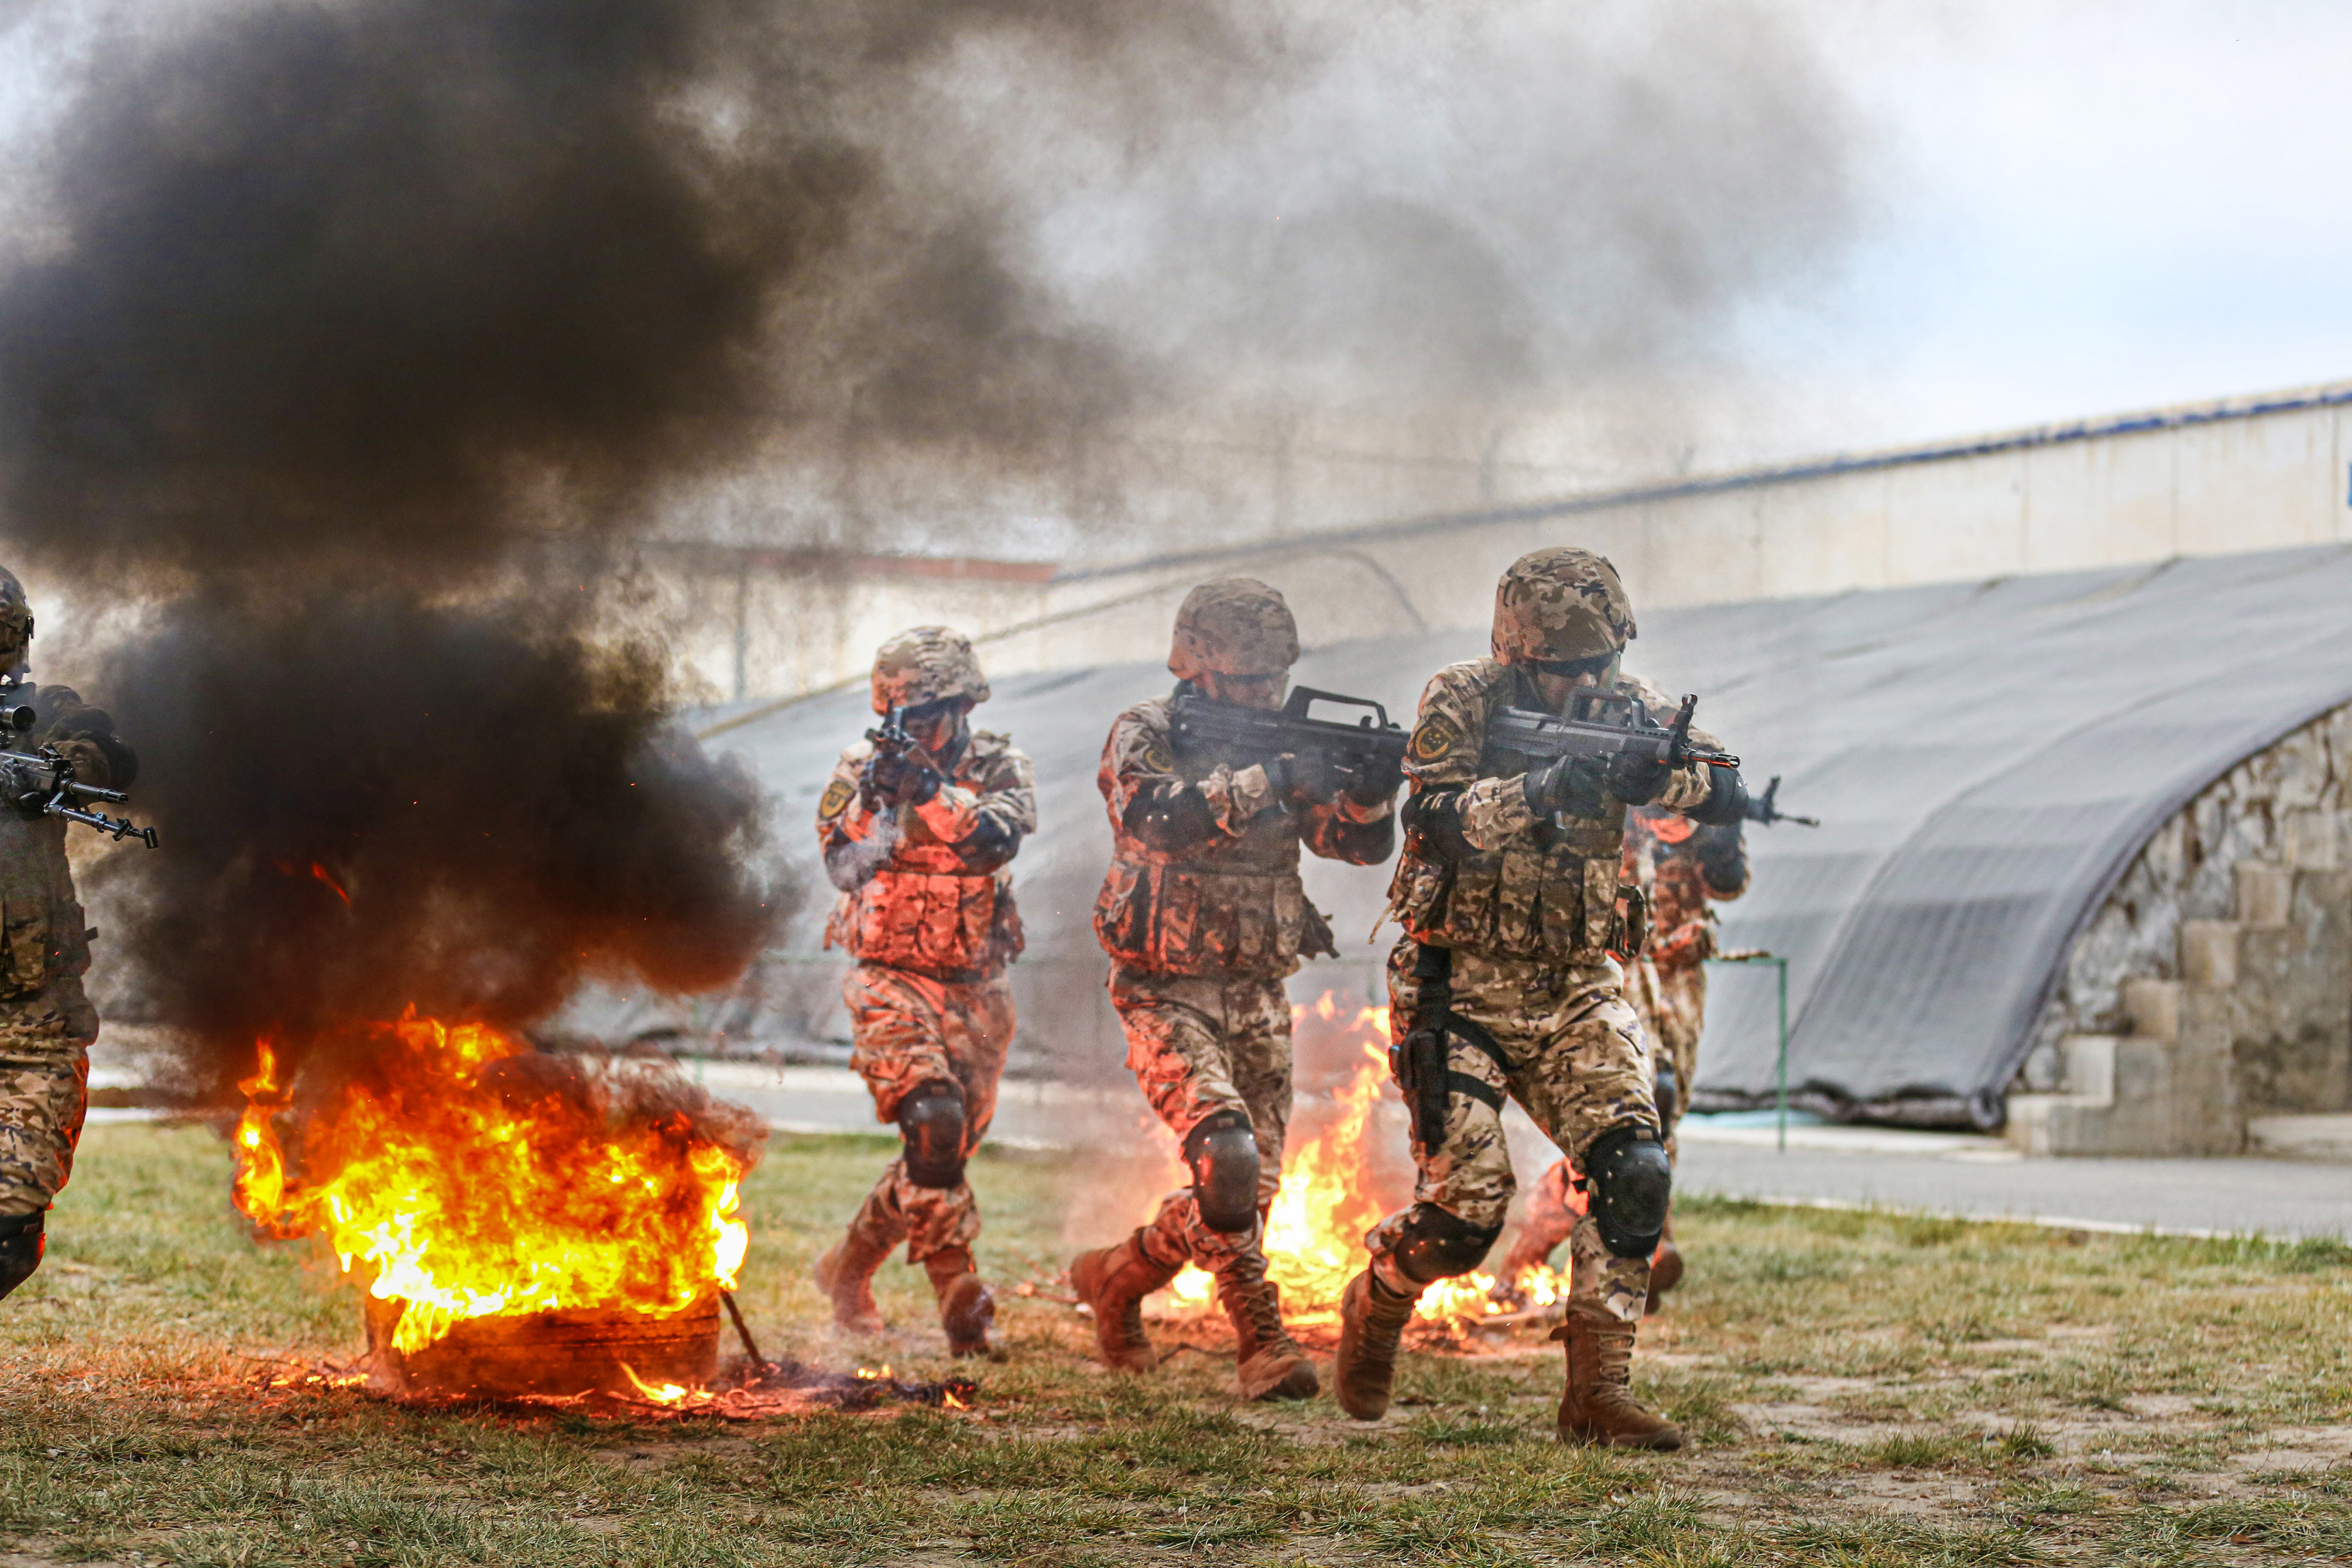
(986, 820)
(1451, 804)
(1150, 804)
(856, 840)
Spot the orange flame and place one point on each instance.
(660, 1392)
(1314, 1240)
(321, 873)
(466, 1198)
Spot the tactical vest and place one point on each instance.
(1551, 893)
(950, 925)
(43, 938)
(1224, 907)
(924, 910)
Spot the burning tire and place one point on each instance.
(558, 1354)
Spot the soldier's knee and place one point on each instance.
(932, 1125)
(1632, 1182)
(1222, 1151)
(1436, 1245)
(21, 1239)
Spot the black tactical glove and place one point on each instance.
(1569, 787)
(1376, 781)
(1637, 779)
(1722, 857)
(1308, 780)
(899, 778)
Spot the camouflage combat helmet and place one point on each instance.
(1235, 626)
(15, 624)
(1560, 605)
(924, 665)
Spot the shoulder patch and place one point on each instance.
(1434, 738)
(838, 797)
(1157, 757)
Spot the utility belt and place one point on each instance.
(1421, 1062)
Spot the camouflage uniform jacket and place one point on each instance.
(43, 935)
(1684, 880)
(1204, 866)
(1480, 870)
(929, 886)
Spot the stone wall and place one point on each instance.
(2214, 986)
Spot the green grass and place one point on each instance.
(1862, 1389)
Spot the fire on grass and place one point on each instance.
(1314, 1232)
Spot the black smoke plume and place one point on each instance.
(359, 329)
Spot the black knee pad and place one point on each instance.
(1667, 1089)
(1438, 1245)
(1631, 1182)
(1222, 1151)
(21, 1238)
(931, 1122)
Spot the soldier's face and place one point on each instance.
(936, 727)
(1243, 690)
(1554, 688)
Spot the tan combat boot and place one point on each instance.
(846, 1273)
(1113, 1281)
(1271, 1365)
(967, 1311)
(1372, 1319)
(1597, 1406)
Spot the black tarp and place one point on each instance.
(1987, 757)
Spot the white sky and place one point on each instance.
(2077, 207)
(2085, 207)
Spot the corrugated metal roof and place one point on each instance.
(1988, 758)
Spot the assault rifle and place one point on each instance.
(890, 740)
(1761, 808)
(1601, 724)
(1207, 729)
(41, 783)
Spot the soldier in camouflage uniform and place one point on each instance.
(46, 1025)
(1509, 894)
(1684, 868)
(918, 840)
(1203, 917)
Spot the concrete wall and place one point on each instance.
(2225, 478)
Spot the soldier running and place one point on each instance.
(1512, 912)
(918, 836)
(1683, 867)
(1203, 917)
(46, 1025)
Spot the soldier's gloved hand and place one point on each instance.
(899, 778)
(1569, 785)
(90, 764)
(1637, 779)
(1375, 781)
(1305, 781)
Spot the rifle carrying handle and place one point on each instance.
(1302, 697)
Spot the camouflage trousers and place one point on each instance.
(1198, 1045)
(45, 1041)
(1579, 1064)
(909, 1030)
(1670, 1004)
